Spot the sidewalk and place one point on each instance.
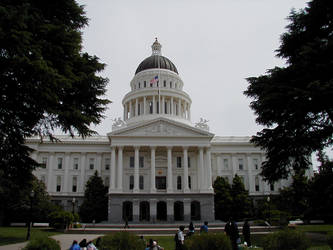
(64, 239)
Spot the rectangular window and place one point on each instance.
(240, 164)
(139, 85)
(257, 184)
(131, 182)
(189, 162)
(256, 164)
(272, 187)
(74, 188)
(170, 84)
(157, 107)
(107, 163)
(160, 182)
(44, 162)
(141, 182)
(189, 182)
(150, 107)
(164, 83)
(226, 163)
(107, 182)
(58, 183)
(138, 108)
(131, 162)
(76, 163)
(165, 107)
(91, 163)
(151, 84)
(144, 84)
(179, 162)
(59, 163)
(179, 182)
(141, 162)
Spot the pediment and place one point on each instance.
(162, 128)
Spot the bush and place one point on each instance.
(43, 243)
(121, 241)
(61, 219)
(330, 240)
(209, 241)
(286, 240)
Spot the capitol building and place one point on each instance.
(157, 164)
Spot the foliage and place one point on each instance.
(60, 219)
(231, 201)
(285, 240)
(218, 241)
(95, 203)
(222, 199)
(294, 199)
(43, 243)
(321, 191)
(293, 103)
(121, 241)
(47, 83)
(330, 239)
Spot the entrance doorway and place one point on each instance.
(144, 211)
(127, 211)
(178, 211)
(161, 211)
(195, 210)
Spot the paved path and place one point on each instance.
(64, 239)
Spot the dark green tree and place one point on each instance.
(222, 199)
(47, 83)
(241, 203)
(95, 204)
(294, 103)
(321, 191)
(294, 199)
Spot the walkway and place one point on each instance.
(64, 239)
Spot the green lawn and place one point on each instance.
(11, 235)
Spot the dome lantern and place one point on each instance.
(156, 48)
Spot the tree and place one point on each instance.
(222, 199)
(95, 204)
(241, 203)
(294, 103)
(321, 191)
(47, 82)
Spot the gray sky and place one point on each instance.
(214, 44)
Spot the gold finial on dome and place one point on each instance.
(156, 48)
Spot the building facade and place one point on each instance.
(157, 164)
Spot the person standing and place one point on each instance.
(75, 246)
(180, 238)
(231, 230)
(190, 229)
(204, 227)
(247, 233)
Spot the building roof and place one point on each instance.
(152, 63)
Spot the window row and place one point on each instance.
(160, 182)
(75, 163)
(151, 84)
(240, 163)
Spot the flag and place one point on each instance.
(155, 79)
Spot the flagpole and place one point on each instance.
(158, 82)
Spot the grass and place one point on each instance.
(12, 235)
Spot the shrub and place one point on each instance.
(60, 219)
(330, 239)
(43, 243)
(286, 240)
(121, 241)
(209, 241)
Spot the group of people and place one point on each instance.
(153, 245)
(84, 245)
(231, 230)
(180, 236)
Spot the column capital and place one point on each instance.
(185, 147)
(153, 147)
(169, 147)
(136, 147)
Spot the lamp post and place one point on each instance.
(73, 203)
(31, 196)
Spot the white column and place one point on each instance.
(171, 105)
(120, 169)
(179, 107)
(169, 177)
(152, 170)
(136, 107)
(201, 168)
(189, 112)
(249, 172)
(83, 171)
(130, 109)
(154, 105)
(50, 173)
(124, 118)
(66, 177)
(136, 169)
(163, 105)
(186, 188)
(209, 170)
(144, 105)
(113, 169)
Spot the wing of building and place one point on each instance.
(157, 164)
